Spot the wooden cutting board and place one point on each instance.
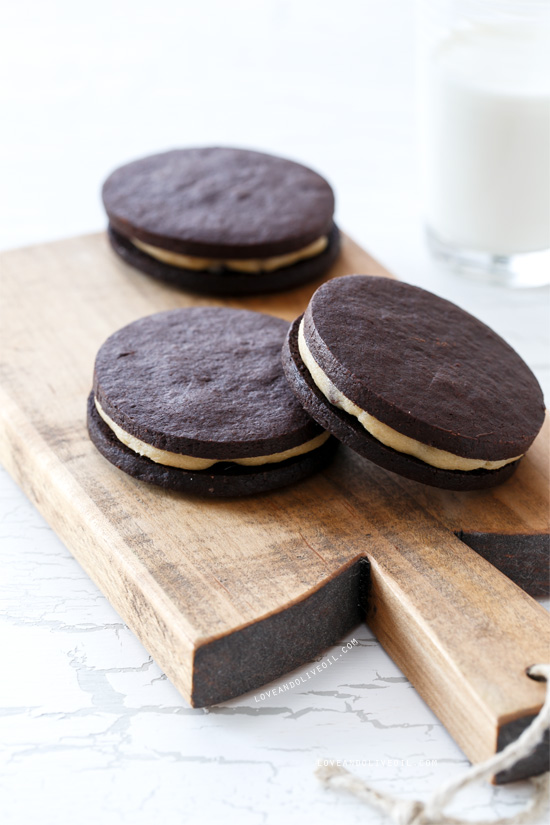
(228, 595)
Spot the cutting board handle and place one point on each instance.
(462, 632)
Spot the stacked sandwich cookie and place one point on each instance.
(413, 383)
(222, 221)
(196, 400)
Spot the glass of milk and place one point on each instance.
(485, 136)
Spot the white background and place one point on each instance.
(89, 727)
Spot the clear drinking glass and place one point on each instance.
(484, 75)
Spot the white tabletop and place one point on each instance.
(90, 728)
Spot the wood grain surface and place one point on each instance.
(227, 595)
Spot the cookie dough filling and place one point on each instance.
(189, 462)
(386, 435)
(250, 266)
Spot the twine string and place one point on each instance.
(431, 812)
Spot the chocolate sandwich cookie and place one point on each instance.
(196, 400)
(413, 383)
(221, 220)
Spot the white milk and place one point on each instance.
(487, 140)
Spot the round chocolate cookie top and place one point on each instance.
(219, 203)
(424, 367)
(205, 381)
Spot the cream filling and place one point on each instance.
(391, 438)
(253, 265)
(190, 462)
